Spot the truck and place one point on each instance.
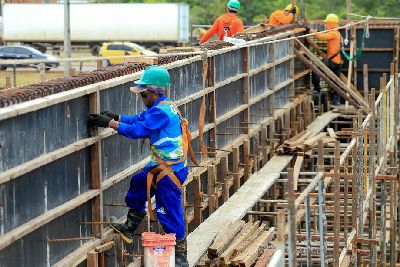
(42, 25)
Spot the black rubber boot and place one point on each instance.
(181, 253)
(133, 220)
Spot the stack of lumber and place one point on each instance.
(302, 142)
(309, 138)
(240, 244)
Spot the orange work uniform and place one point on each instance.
(228, 22)
(333, 44)
(279, 18)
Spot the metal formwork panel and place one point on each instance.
(259, 111)
(282, 49)
(229, 130)
(229, 97)
(260, 83)
(34, 248)
(260, 55)
(186, 80)
(228, 64)
(30, 135)
(282, 96)
(191, 112)
(45, 188)
(282, 72)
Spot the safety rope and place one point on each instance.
(359, 51)
(372, 17)
(361, 46)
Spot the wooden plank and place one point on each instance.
(332, 133)
(265, 257)
(104, 247)
(95, 165)
(235, 208)
(92, 259)
(250, 255)
(325, 70)
(197, 200)
(248, 241)
(296, 169)
(247, 231)
(224, 238)
(235, 167)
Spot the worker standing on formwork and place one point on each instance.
(334, 59)
(167, 169)
(284, 17)
(227, 24)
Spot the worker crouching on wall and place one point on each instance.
(167, 170)
(284, 17)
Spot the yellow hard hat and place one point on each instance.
(289, 7)
(332, 18)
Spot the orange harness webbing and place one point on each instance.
(164, 168)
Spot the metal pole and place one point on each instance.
(14, 76)
(291, 220)
(67, 37)
(308, 232)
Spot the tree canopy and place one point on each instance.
(254, 11)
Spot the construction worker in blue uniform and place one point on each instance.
(167, 169)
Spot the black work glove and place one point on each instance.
(110, 115)
(293, 10)
(99, 120)
(307, 30)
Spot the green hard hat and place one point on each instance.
(154, 75)
(233, 5)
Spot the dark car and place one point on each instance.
(26, 52)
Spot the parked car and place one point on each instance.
(120, 49)
(26, 52)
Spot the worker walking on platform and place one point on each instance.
(227, 24)
(334, 59)
(284, 17)
(167, 169)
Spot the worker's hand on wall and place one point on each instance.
(293, 10)
(110, 115)
(99, 120)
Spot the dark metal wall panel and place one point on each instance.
(260, 83)
(229, 97)
(186, 80)
(34, 249)
(229, 130)
(282, 96)
(378, 38)
(121, 100)
(375, 60)
(191, 112)
(282, 49)
(282, 72)
(119, 152)
(228, 64)
(259, 111)
(373, 80)
(30, 135)
(260, 55)
(113, 196)
(43, 189)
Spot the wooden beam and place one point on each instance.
(92, 259)
(296, 169)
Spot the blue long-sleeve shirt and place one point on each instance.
(161, 124)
